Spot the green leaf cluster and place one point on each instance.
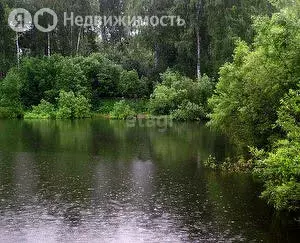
(182, 97)
(69, 106)
(250, 88)
(122, 111)
(280, 168)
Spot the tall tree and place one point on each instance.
(113, 8)
(7, 41)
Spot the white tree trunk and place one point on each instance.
(18, 49)
(198, 54)
(78, 42)
(71, 41)
(199, 12)
(49, 45)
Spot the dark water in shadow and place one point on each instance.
(105, 181)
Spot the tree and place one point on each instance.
(112, 34)
(65, 40)
(280, 168)
(130, 86)
(7, 41)
(71, 106)
(250, 88)
(181, 97)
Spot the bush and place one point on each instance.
(280, 171)
(164, 100)
(43, 78)
(130, 85)
(44, 110)
(95, 77)
(201, 91)
(10, 89)
(138, 105)
(82, 107)
(71, 77)
(71, 106)
(188, 111)
(280, 168)
(122, 111)
(181, 96)
(38, 79)
(102, 75)
(10, 112)
(10, 104)
(105, 106)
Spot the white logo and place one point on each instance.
(41, 12)
(20, 20)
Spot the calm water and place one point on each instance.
(106, 181)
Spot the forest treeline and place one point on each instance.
(212, 27)
(236, 64)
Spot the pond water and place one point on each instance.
(115, 181)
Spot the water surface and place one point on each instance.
(110, 181)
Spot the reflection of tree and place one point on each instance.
(7, 171)
(54, 136)
(235, 204)
(186, 142)
(24, 171)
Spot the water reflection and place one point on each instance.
(94, 180)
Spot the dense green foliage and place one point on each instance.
(44, 78)
(131, 86)
(107, 105)
(257, 104)
(93, 78)
(122, 111)
(188, 111)
(102, 76)
(69, 106)
(7, 47)
(10, 105)
(280, 169)
(44, 110)
(181, 97)
(250, 88)
(215, 24)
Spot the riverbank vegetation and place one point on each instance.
(234, 65)
(256, 103)
(94, 83)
